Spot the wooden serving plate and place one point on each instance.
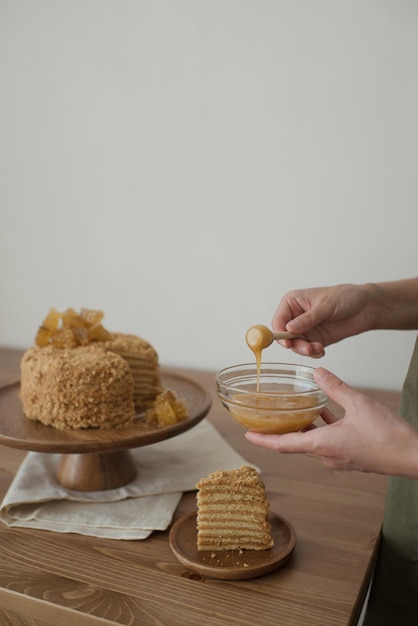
(232, 564)
(95, 459)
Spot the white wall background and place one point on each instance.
(181, 164)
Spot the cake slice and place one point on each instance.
(232, 511)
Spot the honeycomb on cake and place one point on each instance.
(166, 410)
(71, 329)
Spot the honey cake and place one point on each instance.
(81, 387)
(232, 511)
(56, 380)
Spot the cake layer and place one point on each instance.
(234, 522)
(237, 544)
(225, 497)
(231, 511)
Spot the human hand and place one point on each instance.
(369, 438)
(323, 315)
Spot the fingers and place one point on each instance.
(329, 417)
(299, 325)
(302, 442)
(332, 386)
(316, 350)
(288, 443)
(303, 323)
(313, 349)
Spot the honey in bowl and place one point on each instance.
(272, 397)
(279, 398)
(262, 415)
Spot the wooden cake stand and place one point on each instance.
(94, 459)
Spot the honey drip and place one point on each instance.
(258, 337)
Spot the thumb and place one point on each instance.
(331, 385)
(305, 322)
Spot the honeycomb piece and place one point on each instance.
(166, 410)
(42, 337)
(98, 333)
(91, 317)
(63, 338)
(52, 320)
(71, 329)
(70, 319)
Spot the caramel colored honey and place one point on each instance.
(276, 413)
(258, 337)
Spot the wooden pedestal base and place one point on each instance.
(96, 471)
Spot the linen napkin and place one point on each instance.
(165, 470)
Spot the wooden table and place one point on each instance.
(49, 579)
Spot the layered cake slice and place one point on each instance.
(232, 511)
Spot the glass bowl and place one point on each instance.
(287, 399)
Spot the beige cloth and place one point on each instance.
(165, 470)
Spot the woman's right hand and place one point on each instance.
(324, 315)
